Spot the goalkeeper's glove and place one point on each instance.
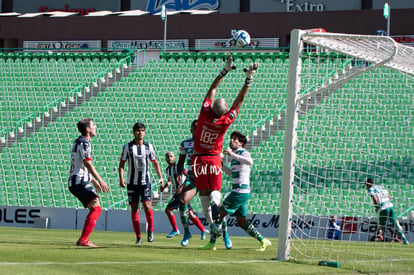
(228, 66)
(250, 73)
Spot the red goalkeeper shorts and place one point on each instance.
(207, 172)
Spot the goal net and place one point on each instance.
(349, 117)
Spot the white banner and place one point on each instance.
(78, 45)
(222, 43)
(24, 216)
(179, 44)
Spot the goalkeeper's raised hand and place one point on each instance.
(250, 73)
(228, 66)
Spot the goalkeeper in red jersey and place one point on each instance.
(213, 122)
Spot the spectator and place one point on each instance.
(334, 230)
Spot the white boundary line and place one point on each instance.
(136, 262)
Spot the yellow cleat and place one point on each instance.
(209, 246)
(264, 244)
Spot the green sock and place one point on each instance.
(224, 228)
(212, 238)
(252, 231)
(184, 217)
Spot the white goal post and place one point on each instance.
(340, 82)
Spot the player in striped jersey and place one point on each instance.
(82, 174)
(385, 209)
(139, 153)
(235, 204)
(189, 189)
(174, 203)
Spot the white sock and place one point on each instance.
(216, 197)
(205, 203)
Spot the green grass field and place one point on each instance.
(46, 251)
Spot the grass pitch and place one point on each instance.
(46, 251)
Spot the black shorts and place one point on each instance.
(84, 192)
(174, 203)
(139, 193)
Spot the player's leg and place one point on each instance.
(196, 221)
(215, 182)
(150, 220)
(219, 226)
(226, 237)
(212, 201)
(395, 225)
(228, 207)
(400, 232)
(172, 205)
(135, 222)
(215, 201)
(187, 194)
(384, 223)
(206, 204)
(133, 199)
(241, 201)
(189, 191)
(252, 231)
(95, 211)
(146, 198)
(89, 198)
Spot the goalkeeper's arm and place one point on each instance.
(243, 92)
(227, 68)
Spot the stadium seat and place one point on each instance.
(160, 95)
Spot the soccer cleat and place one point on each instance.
(173, 233)
(87, 243)
(227, 242)
(150, 236)
(138, 241)
(204, 234)
(186, 239)
(209, 246)
(404, 240)
(264, 244)
(215, 230)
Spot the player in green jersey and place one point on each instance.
(235, 204)
(383, 205)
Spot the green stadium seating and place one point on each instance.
(166, 95)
